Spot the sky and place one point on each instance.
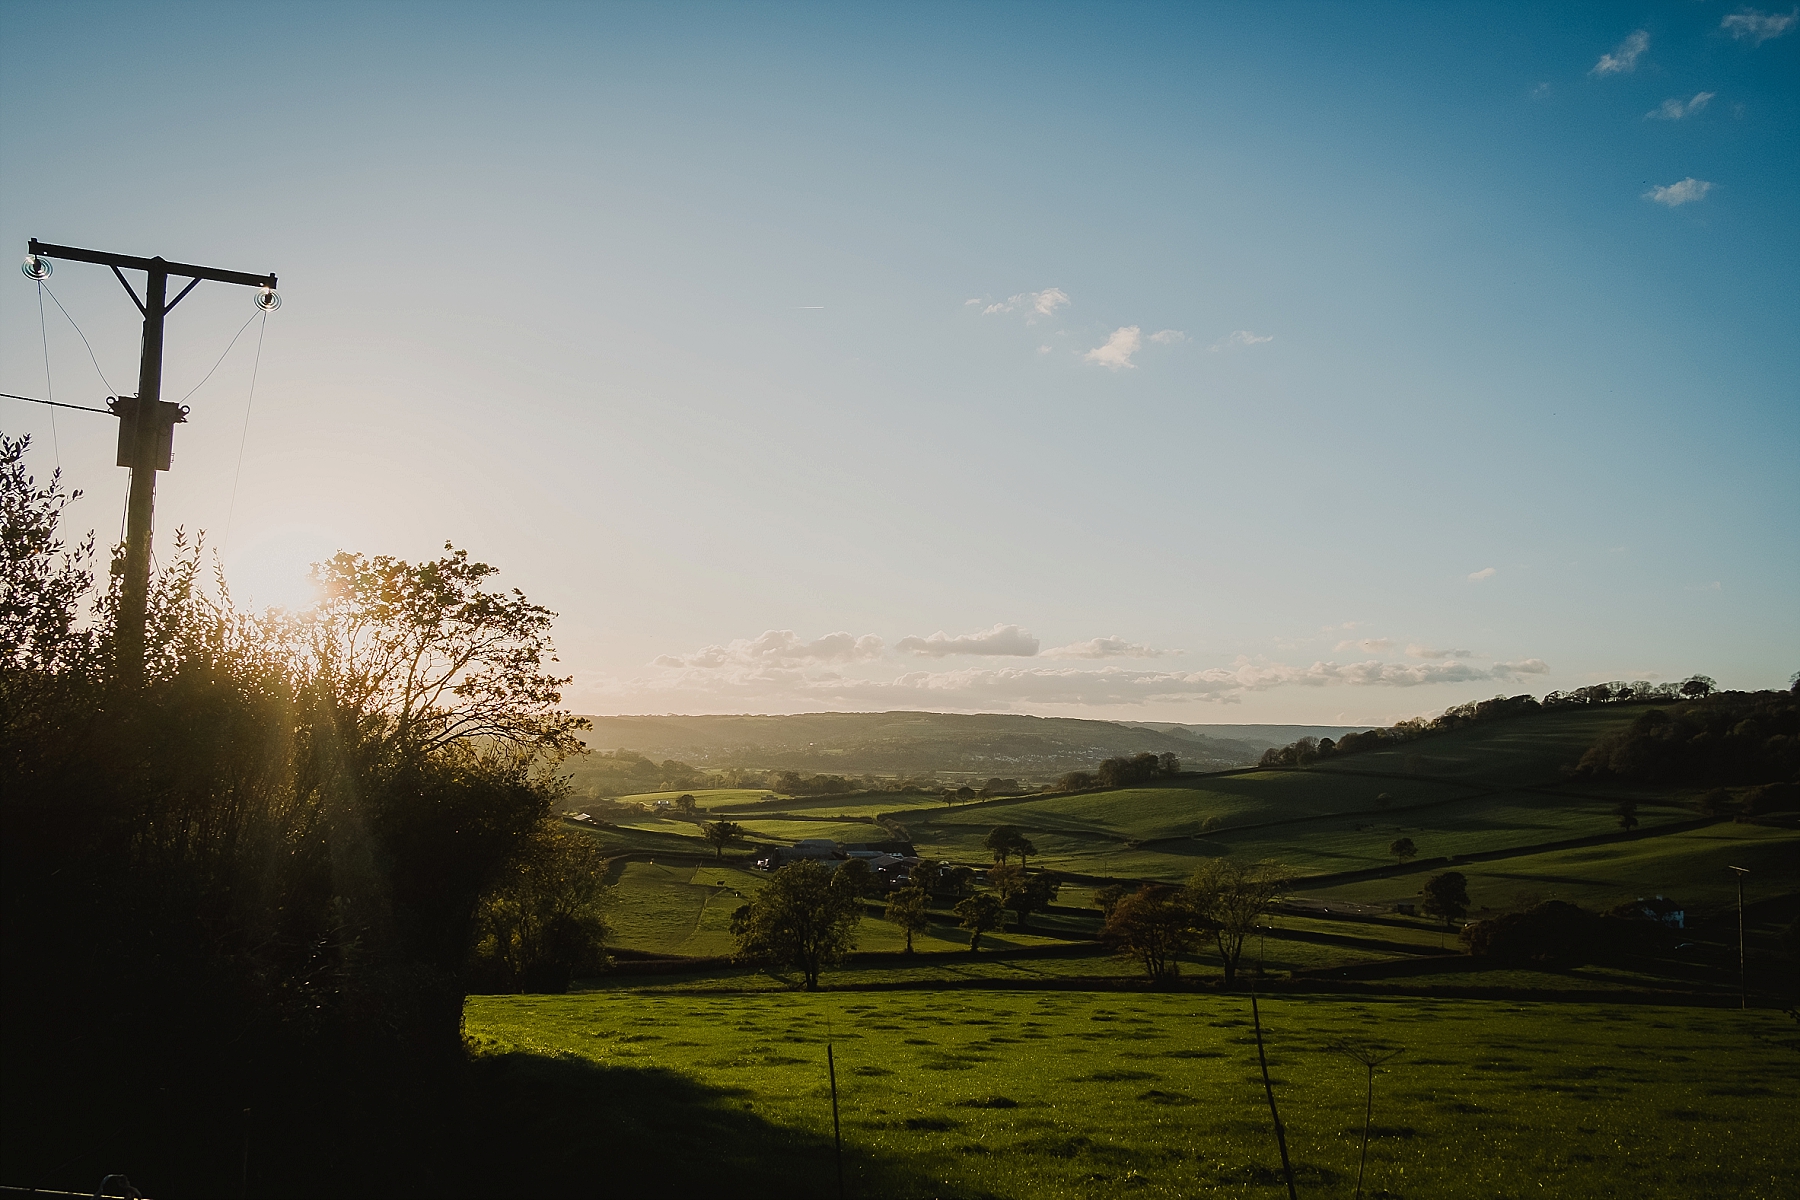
(1301, 363)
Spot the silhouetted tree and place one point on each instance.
(1403, 849)
(1626, 811)
(1446, 895)
(1023, 893)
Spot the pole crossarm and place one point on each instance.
(132, 263)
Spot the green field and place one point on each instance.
(1085, 1094)
(1691, 866)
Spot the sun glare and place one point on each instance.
(272, 570)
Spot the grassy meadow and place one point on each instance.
(1044, 1067)
(1089, 1094)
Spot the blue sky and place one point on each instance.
(1257, 363)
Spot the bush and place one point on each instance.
(1551, 934)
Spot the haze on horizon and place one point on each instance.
(1282, 363)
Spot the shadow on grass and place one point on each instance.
(540, 1125)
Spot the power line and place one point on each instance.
(105, 412)
(44, 337)
(228, 346)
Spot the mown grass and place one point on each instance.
(1081, 1094)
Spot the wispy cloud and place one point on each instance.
(1371, 645)
(1674, 195)
(765, 687)
(1043, 304)
(1484, 573)
(1240, 339)
(779, 647)
(1428, 652)
(1106, 647)
(1000, 640)
(1759, 27)
(1168, 337)
(1624, 57)
(1116, 353)
(1673, 109)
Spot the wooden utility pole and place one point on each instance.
(147, 422)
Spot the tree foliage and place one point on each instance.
(721, 834)
(1403, 849)
(980, 913)
(1021, 892)
(804, 918)
(1446, 895)
(1723, 738)
(1154, 924)
(1228, 898)
(909, 908)
(1004, 841)
(540, 924)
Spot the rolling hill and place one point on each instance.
(912, 743)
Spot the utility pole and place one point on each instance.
(1743, 991)
(147, 422)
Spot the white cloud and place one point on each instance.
(1116, 353)
(1168, 337)
(1484, 573)
(1043, 349)
(1759, 27)
(1000, 640)
(1524, 666)
(1240, 339)
(1371, 645)
(1044, 303)
(1676, 194)
(1674, 108)
(1428, 652)
(1540, 91)
(778, 647)
(1106, 647)
(1625, 57)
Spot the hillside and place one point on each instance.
(912, 743)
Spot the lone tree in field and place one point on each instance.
(909, 909)
(803, 918)
(980, 913)
(1022, 893)
(1446, 895)
(686, 805)
(1004, 841)
(1403, 849)
(1153, 924)
(721, 834)
(1626, 811)
(1227, 899)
